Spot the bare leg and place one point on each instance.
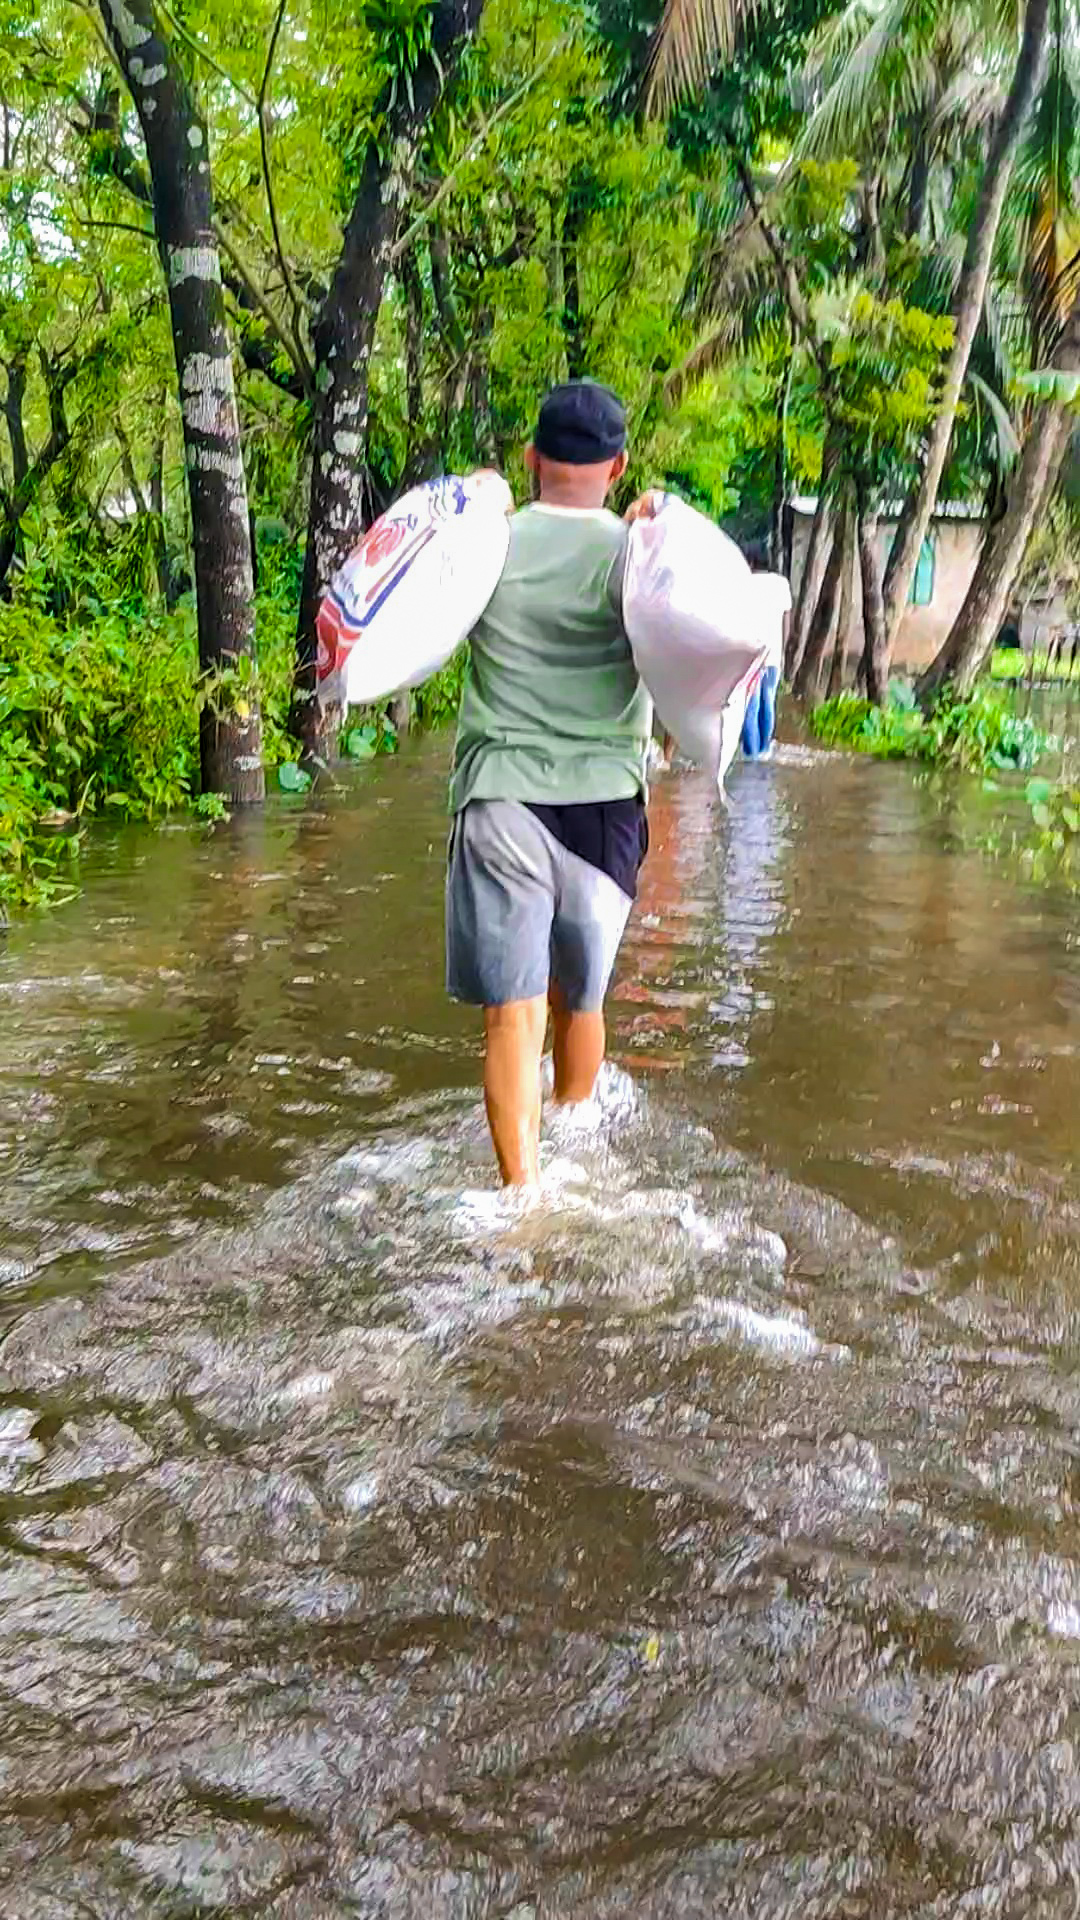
(514, 1037)
(578, 1051)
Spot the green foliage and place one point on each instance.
(103, 715)
(890, 733)
(293, 778)
(549, 232)
(1012, 663)
(980, 734)
(884, 359)
(211, 807)
(369, 738)
(1055, 814)
(435, 704)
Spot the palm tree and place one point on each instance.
(691, 37)
(884, 63)
(1049, 274)
(971, 293)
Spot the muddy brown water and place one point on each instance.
(704, 1543)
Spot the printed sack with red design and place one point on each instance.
(413, 589)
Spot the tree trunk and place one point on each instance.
(779, 501)
(875, 659)
(556, 280)
(920, 184)
(908, 515)
(342, 337)
(817, 559)
(978, 623)
(176, 149)
(961, 658)
(823, 624)
(442, 286)
(14, 399)
(847, 602)
(969, 301)
(573, 323)
(157, 508)
(414, 358)
(34, 473)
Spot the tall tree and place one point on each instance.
(822, 626)
(177, 152)
(344, 327)
(967, 647)
(971, 293)
(1047, 276)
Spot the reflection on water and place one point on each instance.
(702, 1542)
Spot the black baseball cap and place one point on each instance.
(581, 424)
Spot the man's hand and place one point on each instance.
(491, 478)
(646, 506)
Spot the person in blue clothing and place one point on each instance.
(774, 600)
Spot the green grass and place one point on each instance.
(1011, 663)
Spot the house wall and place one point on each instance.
(922, 629)
(1043, 622)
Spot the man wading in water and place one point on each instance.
(548, 787)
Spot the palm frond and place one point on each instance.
(1008, 445)
(838, 37)
(877, 71)
(756, 327)
(1051, 383)
(997, 342)
(702, 360)
(1046, 174)
(729, 267)
(968, 103)
(1061, 299)
(691, 37)
(933, 286)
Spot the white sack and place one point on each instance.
(412, 590)
(694, 623)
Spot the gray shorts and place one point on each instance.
(522, 912)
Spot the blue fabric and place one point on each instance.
(759, 724)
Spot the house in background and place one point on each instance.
(946, 564)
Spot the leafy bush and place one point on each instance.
(104, 714)
(101, 711)
(436, 702)
(1055, 813)
(980, 734)
(892, 732)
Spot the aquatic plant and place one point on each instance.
(981, 734)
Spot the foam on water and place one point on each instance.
(605, 1228)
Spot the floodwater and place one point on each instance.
(703, 1543)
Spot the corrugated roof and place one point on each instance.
(945, 509)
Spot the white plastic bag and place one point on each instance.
(414, 587)
(694, 625)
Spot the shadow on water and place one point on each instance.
(703, 1542)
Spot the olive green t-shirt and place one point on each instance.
(553, 711)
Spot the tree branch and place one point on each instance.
(299, 311)
(261, 304)
(204, 54)
(789, 279)
(14, 400)
(117, 226)
(493, 120)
